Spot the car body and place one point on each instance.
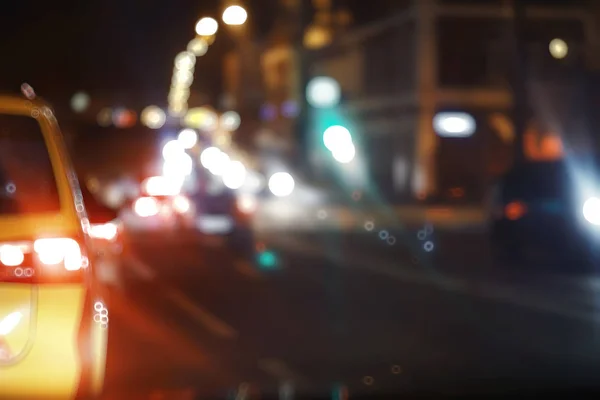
(53, 320)
(160, 212)
(224, 217)
(537, 208)
(106, 233)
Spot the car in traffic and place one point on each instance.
(545, 211)
(224, 217)
(53, 318)
(107, 238)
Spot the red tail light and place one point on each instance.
(42, 260)
(515, 210)
(108, 231)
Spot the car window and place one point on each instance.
(537, 180)
(27, 181)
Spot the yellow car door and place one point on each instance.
(53, 325)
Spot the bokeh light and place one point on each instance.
(202, 118)
(185, 60)
(80, 102)
(235, 15)
(198, 47)
(187, 138)
(234, 175)
(323, 92)
(104, 117)
(336, 136)
(153, 117)
(558, 48)
(281, 184)
(207, 26)
(172, 149)
(230, 121)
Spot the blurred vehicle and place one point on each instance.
(166, 211)
(224, 217)
(106, 233)
(53, 321)
(538, 209)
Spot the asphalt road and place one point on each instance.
(360, 312)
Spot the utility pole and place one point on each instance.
(519, 78)
(302, 11)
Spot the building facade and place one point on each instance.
(432, 56)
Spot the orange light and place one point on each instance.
(515, 210)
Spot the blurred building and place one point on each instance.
(430, 56)
(419, 58)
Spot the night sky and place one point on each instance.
(117, 50)
(121, 51)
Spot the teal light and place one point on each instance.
(267, 259)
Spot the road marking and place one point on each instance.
(139, 320)
(140, 268)
(280, 371)
(211, 322)
(500, 293)
(245, 268)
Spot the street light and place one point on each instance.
(207, 26)
(230, 121)
(323, 92)
(80, 102)
(234, 15)
(153, 117)
(198, 47)
(281, 184)
(188, 138)
(185, 60)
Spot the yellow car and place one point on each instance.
(53, 323)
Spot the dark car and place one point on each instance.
(538, 211)
(225, 217)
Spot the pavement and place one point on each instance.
(283, 214)
(342, 313)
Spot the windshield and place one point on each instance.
(27, 183)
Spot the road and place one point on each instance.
(361, 311)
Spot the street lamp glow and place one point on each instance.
(209, 156)
(207, 26)
(187, 138)
(153, 117)
(558, 48)
(178, 167)
(104, 117)
(172, 150)
(454, 124)
(234, 175)
(161, 186)
(185, 60)
(80, 102)
(336, 136)
(220, 164)
(323, 92)
(235, 15)
(198, 47)
(230, 121)
(281, 184)
(182, 78)
(201, 118)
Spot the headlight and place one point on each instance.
(591, 210)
